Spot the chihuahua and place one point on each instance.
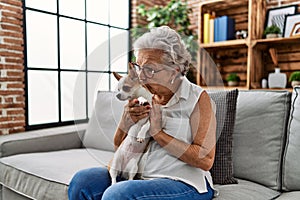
(127, 156)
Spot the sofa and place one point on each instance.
(260, 158)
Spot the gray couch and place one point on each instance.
(266, 151)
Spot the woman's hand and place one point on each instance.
(155, 118)
(133, 112)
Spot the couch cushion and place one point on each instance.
(245, 190)
(289, 196)
(291, 165)
(222, 170)
(42, 175)
(259, 136)
(104, 121)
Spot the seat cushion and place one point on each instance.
(222, 170)
(244, 190)
(291, 160)
(42, 175)
(259, 136)
(289, 196)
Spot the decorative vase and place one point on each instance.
(294, 83)
(272, 35)
(233, 83)
(277, 79)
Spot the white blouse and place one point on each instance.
(157, 162)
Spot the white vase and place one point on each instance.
(277, 79)
(233, 83)
(294, 83)
(272, 35)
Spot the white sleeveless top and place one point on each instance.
(157, 162)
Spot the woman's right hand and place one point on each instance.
(133, 112)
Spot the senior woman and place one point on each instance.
(178, 159)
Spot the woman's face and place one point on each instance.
(157, 82)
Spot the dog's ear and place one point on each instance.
(131, 71)
(117, 76)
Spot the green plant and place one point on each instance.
(233, 77)
(272, 29)
(295, 76)
(175, 15)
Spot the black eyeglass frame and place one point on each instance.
(140, 69)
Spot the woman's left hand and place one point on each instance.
(155, 118)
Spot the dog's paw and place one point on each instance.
(140, 140)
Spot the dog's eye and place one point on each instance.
(126, 88)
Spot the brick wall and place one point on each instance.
(12, 101)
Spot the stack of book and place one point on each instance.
(217, 29)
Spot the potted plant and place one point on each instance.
(233, 79)
(272, 31)
(174, 14)
(295, 78)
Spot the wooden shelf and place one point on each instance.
(249, 58)
(225, 44)
(263, 43)
(224, 87)
(275, 89)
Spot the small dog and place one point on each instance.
(127, 156)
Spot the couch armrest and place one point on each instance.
(49, 139)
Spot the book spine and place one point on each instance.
(206, 18)
(216, 29)
(211, 30)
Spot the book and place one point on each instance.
(224, 29)
(211, 30)
(206, 18)
(211, 27)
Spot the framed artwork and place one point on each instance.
(292, 25)
(276, 16)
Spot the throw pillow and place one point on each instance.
(222, 170)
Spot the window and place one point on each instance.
(71, 47)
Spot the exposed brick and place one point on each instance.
(5, 79)
(12, 119)
(14, 60)
(18, 111)
(12, 28)
(12, 47)
(12, 124)
(20, 99)
(13, 2)
(12, 15)
(8, 100)
(11, 34)
(16, 130)
(11, 8)
(13, 41)
(11, 92)
(11, 54)
(12, 21)
(15, 85)
(15, 73)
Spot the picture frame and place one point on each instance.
(292, 25)
(276, 16)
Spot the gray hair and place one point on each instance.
(170, 42)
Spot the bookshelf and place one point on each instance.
(249, 57)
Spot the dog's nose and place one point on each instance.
(118, 96)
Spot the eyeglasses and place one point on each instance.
(148, 71)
